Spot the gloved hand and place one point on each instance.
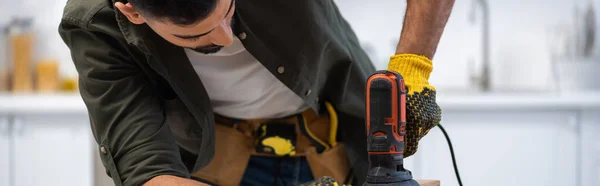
(422, 111)
(322, 181)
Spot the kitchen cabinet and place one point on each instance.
(590, 148)
(52, 150)
(4, 151)
(503, 147)
(499, 139)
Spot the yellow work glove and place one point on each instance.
(323, 181)
(422, 111)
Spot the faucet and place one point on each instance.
(483, 81)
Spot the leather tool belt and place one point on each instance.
(289, 136)
(306, 134)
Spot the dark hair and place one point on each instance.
(180, 12)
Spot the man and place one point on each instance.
(248, 92)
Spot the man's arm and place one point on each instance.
(423, 26)
(168, 180)
(125, 111)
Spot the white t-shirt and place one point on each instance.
(239, 86)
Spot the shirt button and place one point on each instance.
(242, 35)
(281, 69)
(103, 150)
(308, 92)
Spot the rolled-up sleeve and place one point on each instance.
(125, 111)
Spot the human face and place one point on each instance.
(207, 36)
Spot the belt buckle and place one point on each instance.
(276, 139)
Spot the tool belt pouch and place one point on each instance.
(232, 153)
(333, 162)
(323, 158)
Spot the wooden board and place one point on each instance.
(429, 182)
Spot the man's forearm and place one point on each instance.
(168, 180)
(423, 26)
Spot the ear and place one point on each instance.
(134, 16)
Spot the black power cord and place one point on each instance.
(451, 154)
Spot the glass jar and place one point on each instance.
(20, 36)
(4, 64)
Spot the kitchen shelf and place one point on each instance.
(64, 103)
(72, 102)
(520, 100)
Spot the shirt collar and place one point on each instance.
(133, 33)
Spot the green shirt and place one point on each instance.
(145, 100)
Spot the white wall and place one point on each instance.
(520, 32)
(48, 44)
(520, 38)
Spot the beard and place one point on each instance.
(208, 49)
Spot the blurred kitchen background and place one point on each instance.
(517, 80)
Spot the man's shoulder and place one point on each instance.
(86, 13)
(92, 15)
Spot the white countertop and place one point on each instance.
(72, 103)
(519, 101)
(42, 103)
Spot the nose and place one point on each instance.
(222, 34)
